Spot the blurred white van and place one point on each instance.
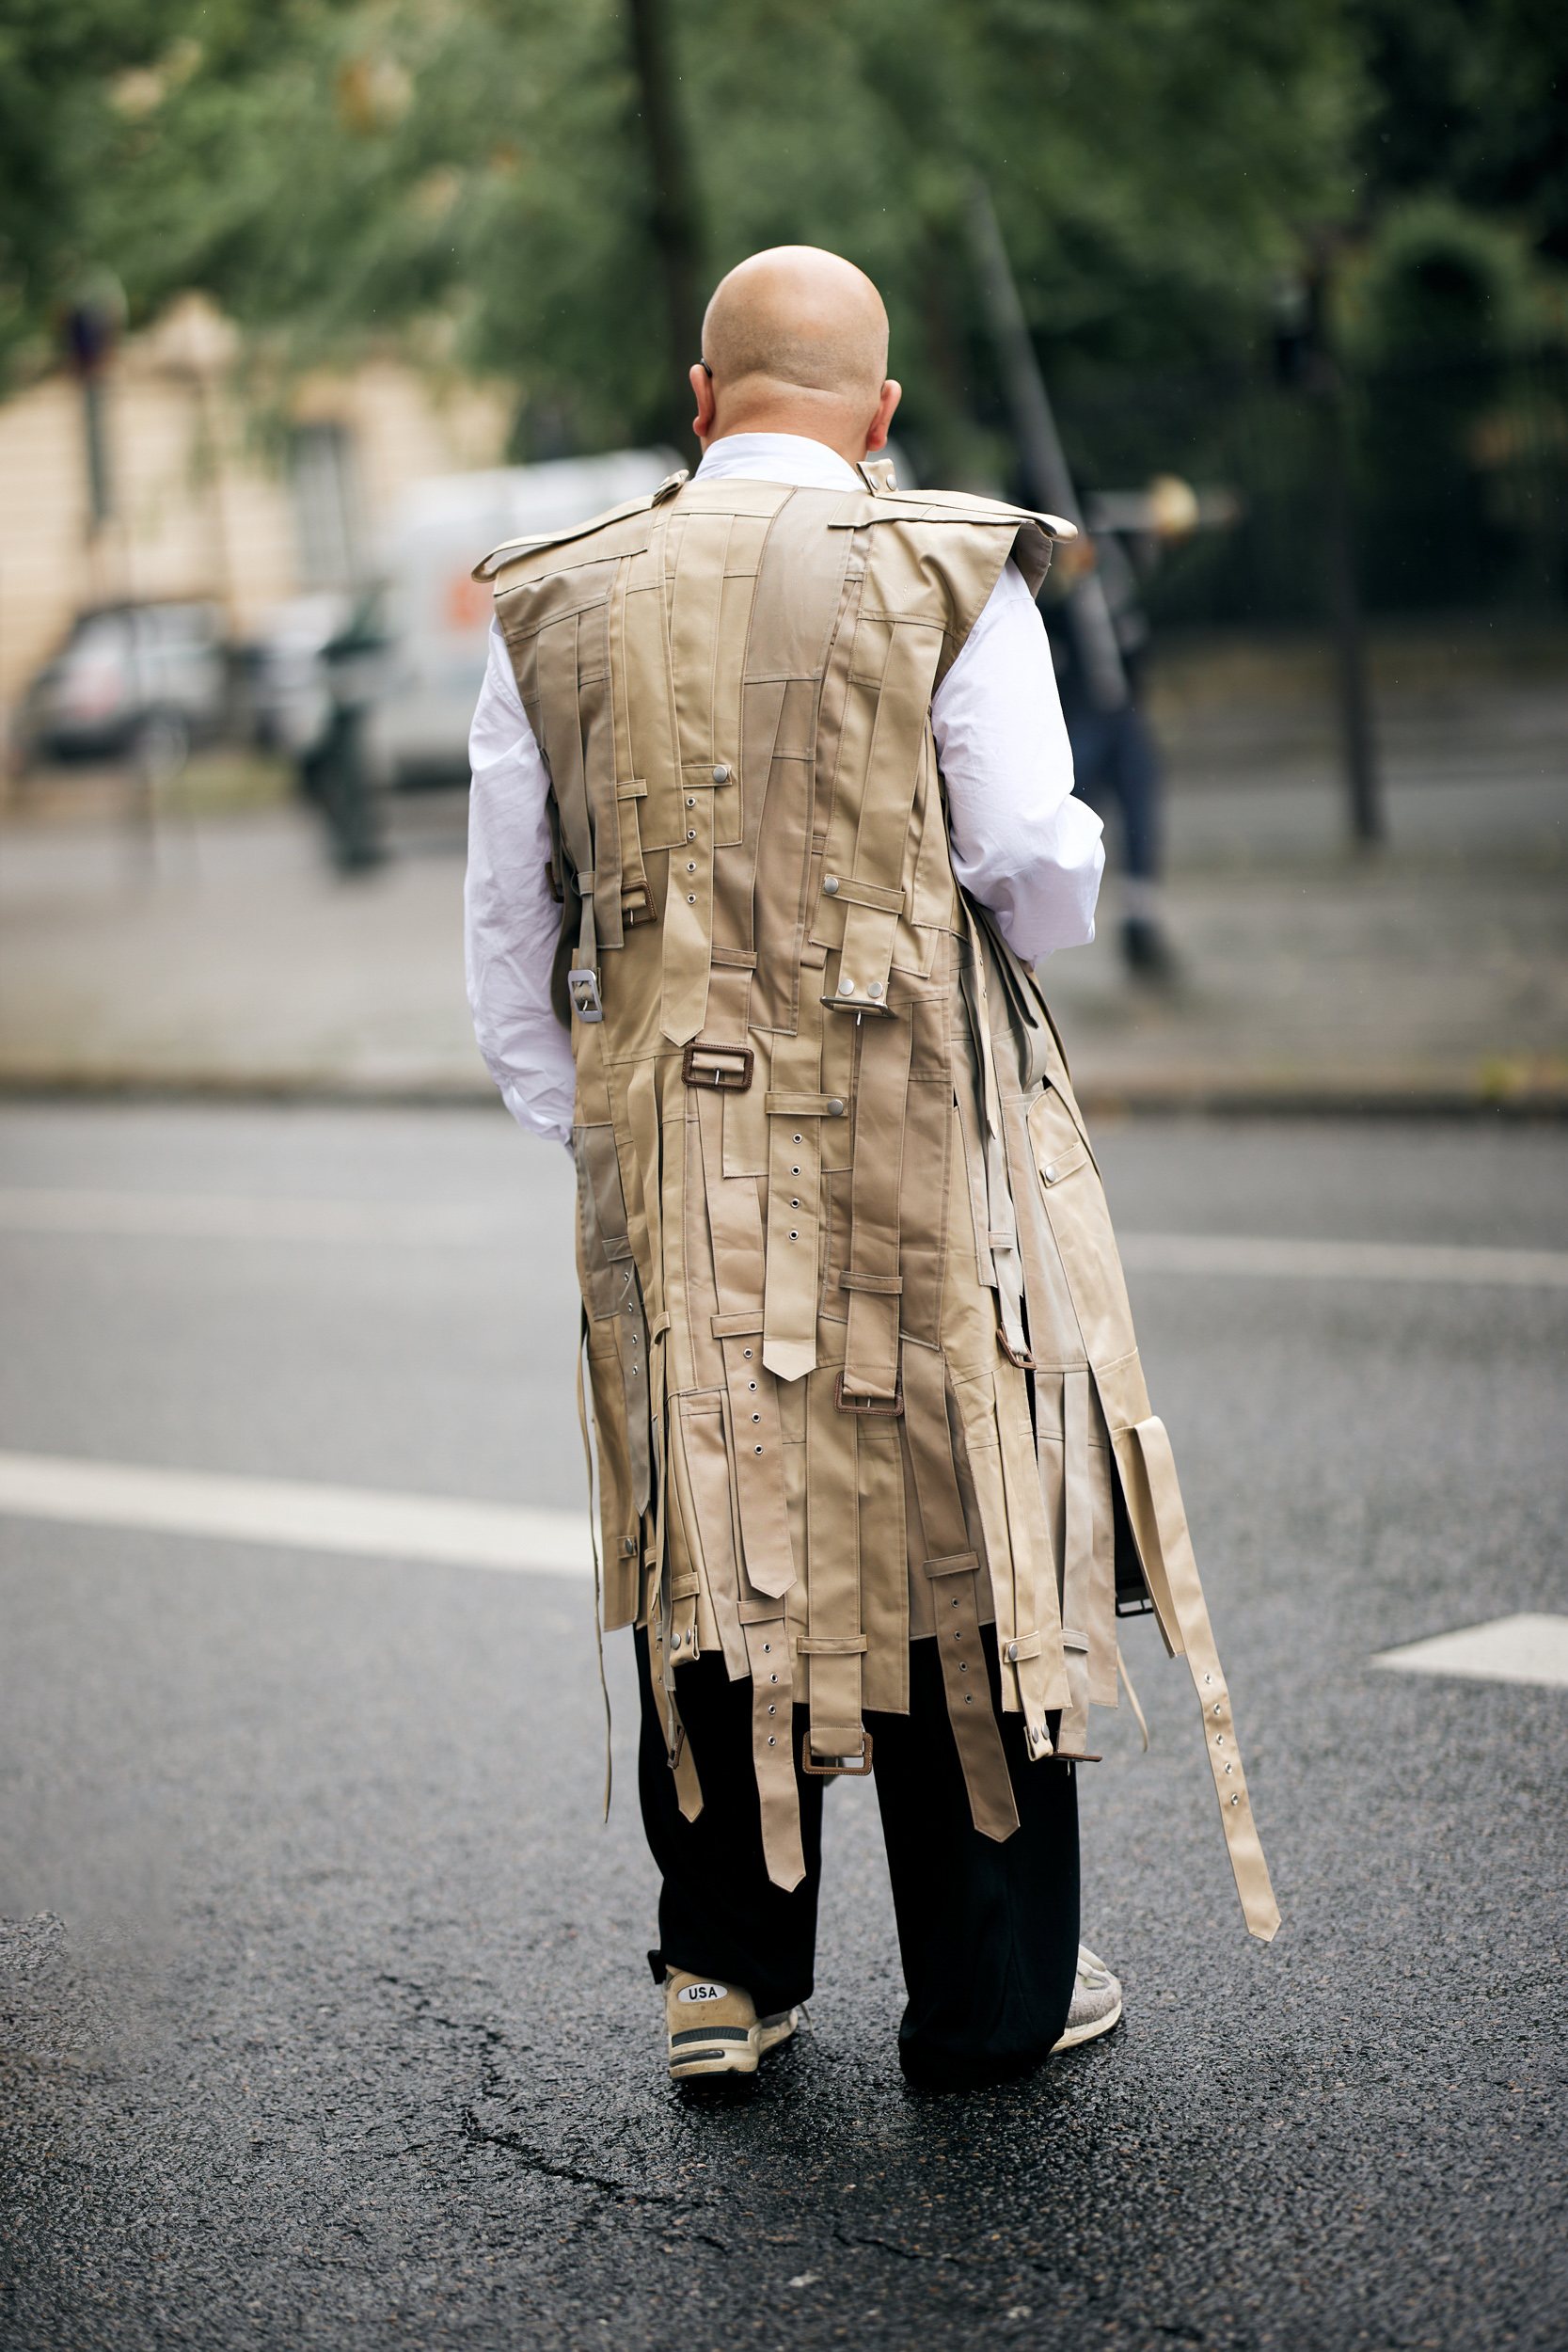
(436, 618)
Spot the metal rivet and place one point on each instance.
(1216, 1706)
(874, 988)
(847, 988)
(830, 883)
(1235, 1800)
(1219, 1739)
(720, 775)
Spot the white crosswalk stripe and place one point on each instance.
(307, 1517)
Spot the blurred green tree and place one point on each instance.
(475, 176)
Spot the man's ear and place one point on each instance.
(893, 393)
(702, 385)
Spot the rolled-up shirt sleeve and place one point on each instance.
(1021, 845)
(511, 921)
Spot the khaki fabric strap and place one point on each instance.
(599, 1185)
(969, 1708)
(882, 840)
(834, 1533)
(593, 1540)
(556, 659)
(735, 1225)
(1002, 1223)
(794, 1196)
(1154, 1505)
(772, 1747)
(955, 1571)
(871, 1349)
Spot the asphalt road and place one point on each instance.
(338, 2031)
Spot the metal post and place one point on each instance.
(1358, 738)
(1044, 462)
(672, 216)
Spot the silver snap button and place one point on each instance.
(874, 988)
(847, 988)
(830, 883)
(836, 1108)
(720, 775)
(1050, 1173)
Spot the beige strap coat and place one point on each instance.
(861, 1360)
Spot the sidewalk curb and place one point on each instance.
(1197, 1101)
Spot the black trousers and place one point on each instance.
(987, 1932)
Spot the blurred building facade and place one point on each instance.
(202, 503)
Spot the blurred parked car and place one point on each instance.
(139, 681)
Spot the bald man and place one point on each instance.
(789, 750)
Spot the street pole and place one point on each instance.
(1305, 362)
(673, 215)
(1040, 446)
(1358, 742)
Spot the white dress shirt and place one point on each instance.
(1021, 845)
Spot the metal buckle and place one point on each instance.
(727, 1071)
(892, 1405)
(836, 1767)
(584, 990)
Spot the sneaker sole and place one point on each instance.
(727, 2049)
(1091, 2032)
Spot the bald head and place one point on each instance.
(795, 340)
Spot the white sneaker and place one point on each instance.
(714, 2029)
(1096, 2001)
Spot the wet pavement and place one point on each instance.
(337, 2029)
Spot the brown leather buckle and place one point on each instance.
(1021, 1356)
(836, 1767)
(892, 1405)
(727, 1069)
